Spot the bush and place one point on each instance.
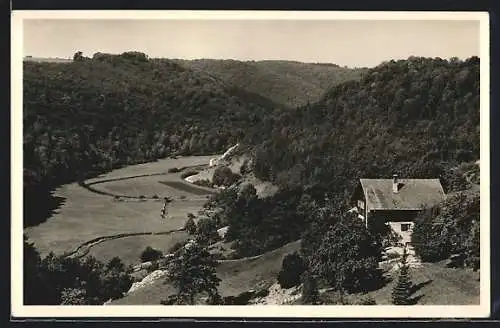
(150, 254)
(188, 173)
(174, 170)
(176, 247)
(392, 255)
(154, 266)
(310, 292)
(190, 225)
(223, 176)
(182, 197)
(204, 183)
(291, 270)
(206, 232)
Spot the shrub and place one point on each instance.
(73, 296)
(154, 266)
(223, 176)
(176, 247)
(150, 254)
(174, 170)
(392, 255)
(156, 196)
(182, 197)
(310, 293)
(204, 183)
(188, 173)
(291, 270)
(190, 225)
(245, 167)
(206, 232)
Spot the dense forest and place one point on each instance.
(416, 117)
(289, 83)
(93, 115)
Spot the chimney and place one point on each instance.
(395, 183)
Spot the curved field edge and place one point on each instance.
(84, 248)
(181, 184)
(87, 215)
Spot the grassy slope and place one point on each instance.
(130, 248)
(237, 276)
(437, 285)
(285, 82)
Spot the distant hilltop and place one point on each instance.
(47, 60)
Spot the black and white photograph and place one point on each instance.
(225, 163)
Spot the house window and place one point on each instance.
(405, 226)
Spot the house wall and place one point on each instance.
(405, 235)
(400, 221)
(358, 201)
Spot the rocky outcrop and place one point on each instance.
(148, 280)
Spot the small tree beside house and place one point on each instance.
(402, 290)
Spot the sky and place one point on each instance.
(353, 43)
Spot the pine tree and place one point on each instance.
(402, 291)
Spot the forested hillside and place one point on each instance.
(415, 117)
(418, 118)
(96, 114)
(286, 82)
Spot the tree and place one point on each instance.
(150, 254)
(78, 56)
(472, 252)
(223, 176)
(206, 231)
(192, 272)
(116, 279)
(348, 256)
(291, 270)
(35, 286)
(190, 226)
(426, 237)
(310, 293)
(402, 290)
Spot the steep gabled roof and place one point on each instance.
(413, 194)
